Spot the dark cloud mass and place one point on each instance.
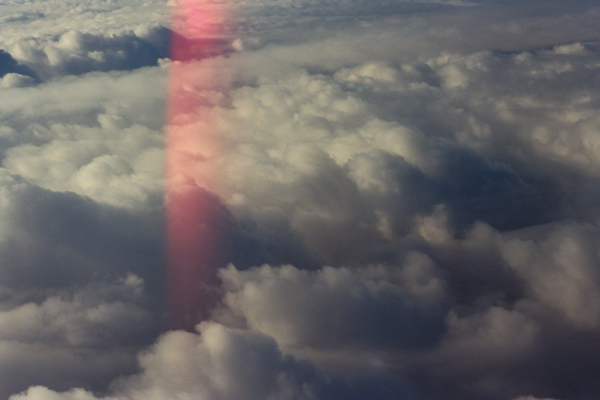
(402, 200)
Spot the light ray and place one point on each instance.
(192, 142)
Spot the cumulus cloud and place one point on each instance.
(81, 242)
(72, 337)
(75, 136)
(400, 200)
(220, 363)
(10, 66)
(339, 307)
(561, 271)
(75, 53)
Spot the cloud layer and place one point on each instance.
(402, 200)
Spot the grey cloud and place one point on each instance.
(70, 314)
(418, 181)
(60, 368)
(42, 19)
(222, 363)
(17, 80)
(75, 53)
(59, 240)
(22, 16)
(511, 338)
(86, 318)
(8, 65)
(561, 270)
(373, 175)
(81, 246)
(477, 347)
(460, 154)
(339, 307)
(74, 337)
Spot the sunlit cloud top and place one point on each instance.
(276, 200)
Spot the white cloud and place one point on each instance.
(75, 53)
(406, 173)
(16, 80)
(75, 135)
(43, 19)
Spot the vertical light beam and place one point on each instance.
(193, 214)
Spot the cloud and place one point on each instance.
(561, 271)
(17, 80)
(81, 245)
(400, 200)
(42, 19)
(75, 53)
(73, 135)
(72, 337)
(339, 307)
(8, 65)
(76, 318)
(219, 363)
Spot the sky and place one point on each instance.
(299, 200)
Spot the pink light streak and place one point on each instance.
(193, 238)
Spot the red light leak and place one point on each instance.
(192, 212)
